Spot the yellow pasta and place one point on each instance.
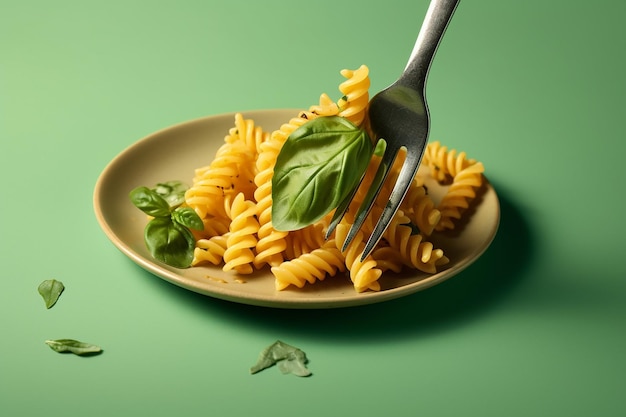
(233, 197)
(412, 249)
(309, 267)
(210, 250)
(420, 208)
(364, 274)
(466, 176)
(355, 91)
(239, 255)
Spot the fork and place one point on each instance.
(399, 115)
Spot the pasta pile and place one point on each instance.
(233, 197)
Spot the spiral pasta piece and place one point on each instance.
(420, 208)
(242, 238)
(309, 267)
(388, 259)
(230, 172)
(246, 131)
(444, 164)
(271, 242)
(412, 248)
(460, 193)
(210, 250)
(364, 274)
(305, 240)
(326, 107)
(463, 174)
(355, 91)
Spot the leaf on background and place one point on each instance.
(288, 358)
(73, 346)
(50, 290)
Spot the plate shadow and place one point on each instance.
(474, 292)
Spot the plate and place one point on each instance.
(173, 154)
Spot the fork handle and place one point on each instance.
(435, 23)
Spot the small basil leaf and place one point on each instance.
(172, 191)
(188, 217)
(319, 164)
(50, 290)
(150, 202)
(169, 242)
(73, 346)
(289, 359)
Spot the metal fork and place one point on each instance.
(399, 115)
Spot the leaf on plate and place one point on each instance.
(50, 291)
(150, 202)
(73, 346)
(172, 191)
(169, 242)
(288, 358)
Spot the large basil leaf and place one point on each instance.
(319, 164)
(170, 242)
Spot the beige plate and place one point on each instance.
(174, 153)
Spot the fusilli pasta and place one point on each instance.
(233, 197)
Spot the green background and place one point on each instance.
(534, 89)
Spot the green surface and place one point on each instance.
(533, 89)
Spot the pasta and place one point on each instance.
(242, 238)
(309, 267)
(465, 176)
(233, 197)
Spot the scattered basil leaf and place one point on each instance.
(150, 202)
(170, 242)
(73, 346)
(50, 290)
(288, 358)
(172, 191)
(187, 217)
(317, 167)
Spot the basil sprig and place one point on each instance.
(168, 235)
(318, 166)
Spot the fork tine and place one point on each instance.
(379, 178)
(403, 182)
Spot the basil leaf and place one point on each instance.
(172, 191)
(188, 217)
(169, 242)
(289, 359)
(73, 346)
(319, 164)
(150, 202)
(50, 290)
